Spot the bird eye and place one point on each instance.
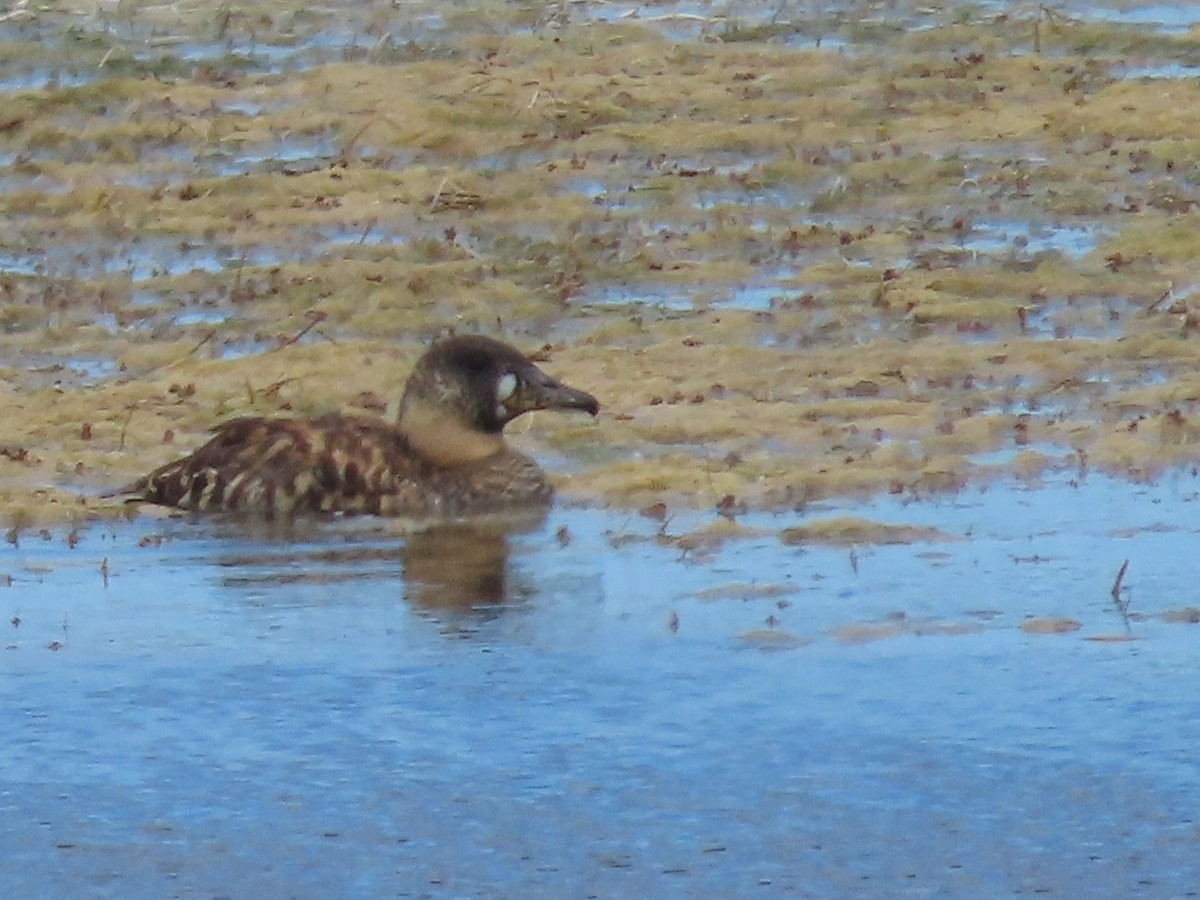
(506, 386)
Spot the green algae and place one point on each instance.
(852, 530)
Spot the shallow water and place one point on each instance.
(596, 712)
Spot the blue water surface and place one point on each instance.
(587, 713)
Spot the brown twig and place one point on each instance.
(1116, 588)
(204, 340)
(125, 425)
(1122, 604)
(267, 393)
(1168, 294)
(316, 317)
(367, 231)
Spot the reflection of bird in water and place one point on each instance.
(460, 566)
(444, 456)
(454, 566)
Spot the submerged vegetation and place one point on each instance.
(795, 255)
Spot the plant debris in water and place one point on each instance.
(852, 530)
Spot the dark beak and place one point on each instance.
(540, 391)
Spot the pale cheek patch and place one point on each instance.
(506, 387)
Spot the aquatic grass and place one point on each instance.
(789, 273)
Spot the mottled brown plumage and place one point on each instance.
(444, 456)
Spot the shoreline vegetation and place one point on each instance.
(794, 259)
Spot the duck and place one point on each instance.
(444, 456)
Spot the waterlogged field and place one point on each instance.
(873, 578)
(797, 256)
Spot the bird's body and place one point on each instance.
(444, 456)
